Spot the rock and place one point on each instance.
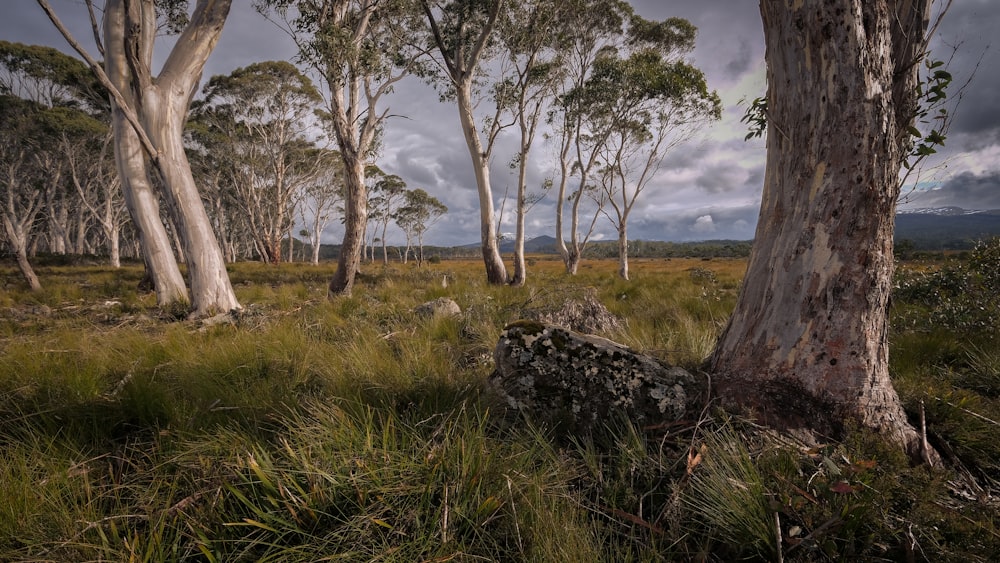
(440, 307)
(586, 314)
(575, 382)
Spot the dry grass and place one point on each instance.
(356, 429)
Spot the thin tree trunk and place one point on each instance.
(623, 251)
(18, 240)
(806, 346)
(520, 267)
(496, 272)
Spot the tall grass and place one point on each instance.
(356, 430)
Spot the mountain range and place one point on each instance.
(937, 228)
(946, 228)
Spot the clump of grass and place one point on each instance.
(727, 494)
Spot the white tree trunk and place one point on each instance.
(496, 272)
(161, 106)
(355, 222)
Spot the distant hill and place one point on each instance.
(946, 228)
(940, 228)
(538, 245)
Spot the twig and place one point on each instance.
(444, 519)
(925, 447)
(965, 410)
(777, 532)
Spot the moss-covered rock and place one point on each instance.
(574, 382)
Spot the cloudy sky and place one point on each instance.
(707, 189)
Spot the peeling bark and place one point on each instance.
(807, 342)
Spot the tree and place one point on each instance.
(19, 186)
(323, 194)
(360, 48)
(461, 32)
(156, 109)
(85, 144)
(259, 115)
(529, 37)
(589, 28)
(647, 103)
(388, 194)
(419, 212)
(807, 344)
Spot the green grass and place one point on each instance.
(355, 430)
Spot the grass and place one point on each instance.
(355, 430)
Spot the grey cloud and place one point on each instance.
(966, 190)
(742, 62)
(736, 223)
(721, 177)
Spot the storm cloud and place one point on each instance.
(708, 188)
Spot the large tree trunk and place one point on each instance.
(130, 158)
(355, 222)
(496, 272)
(211, 291)
(806, 346)
(162, 105)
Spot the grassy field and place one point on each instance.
(355, 430)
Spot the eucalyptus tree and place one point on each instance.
(646, 103)
(462, 34)
(154, 108)
(20, 192)
(418, 213)
(388, 195)
(261, 115)
(85, 146)
(66, 95)
(588, 28)
(323, 194)
(807, 344)
(361, 49)
(49, 78)
(529, 37)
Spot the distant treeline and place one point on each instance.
(595, 250)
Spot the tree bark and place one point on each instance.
(18, 240)
(496, 272)
(131, 160)
(623, 250)
(355, 222)
(161, 105)
(806, 346)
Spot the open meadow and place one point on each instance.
(356, 430)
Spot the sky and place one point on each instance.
(709, 188)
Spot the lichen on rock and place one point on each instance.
(574, 382)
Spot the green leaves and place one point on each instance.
(755, 118)
(932, 94)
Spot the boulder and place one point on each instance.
(575, 382)
(440, 307)
(586, 314)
